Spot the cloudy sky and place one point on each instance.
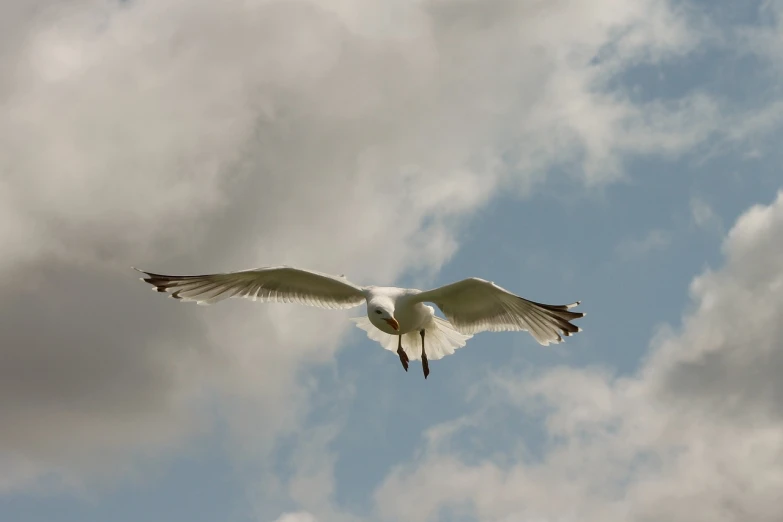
(622, 152)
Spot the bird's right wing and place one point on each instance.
(279, 283)
(474, 305)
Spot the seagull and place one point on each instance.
(395, 316)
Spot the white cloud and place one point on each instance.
(191, 136)
(695, 435)
(300, 516)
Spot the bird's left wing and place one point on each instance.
(474, 305)
(279, 283)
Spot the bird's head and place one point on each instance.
(385, 314)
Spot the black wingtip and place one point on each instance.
(153, 279)
(145, 279)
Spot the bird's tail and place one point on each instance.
(440, 338)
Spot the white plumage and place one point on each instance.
(442, 338)
(397, 318)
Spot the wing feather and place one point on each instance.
(474, 305)
(278, 284)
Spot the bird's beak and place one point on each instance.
(393, 323)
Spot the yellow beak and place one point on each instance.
(393, 323)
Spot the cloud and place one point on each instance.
(199, 136)
(695, 434)
(655, 240)
(704, 216)
(764, 40)
(301, 516)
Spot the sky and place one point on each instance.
(624, 153)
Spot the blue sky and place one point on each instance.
(624, 153)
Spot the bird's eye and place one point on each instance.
(378, 312)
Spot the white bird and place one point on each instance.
(396, 317)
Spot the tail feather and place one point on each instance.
(440, 339)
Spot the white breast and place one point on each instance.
(413, 318)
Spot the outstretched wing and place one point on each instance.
(278, 283)
(474, 305)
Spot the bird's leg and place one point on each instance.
(424, 363)
(401, 353)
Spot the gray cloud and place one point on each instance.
(192, 136)
(82, 375)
